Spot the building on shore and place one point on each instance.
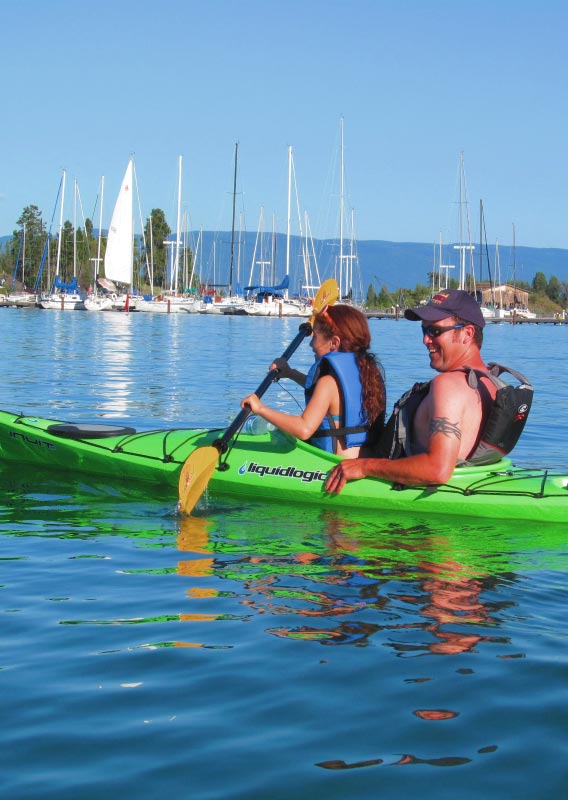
(502, 296)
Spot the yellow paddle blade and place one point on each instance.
(194, 477)
(199, 467)
(327, 295)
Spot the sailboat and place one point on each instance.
(265, 298)
(346, 267)
(274, 300)
(466, 278)
(96, 301)
(65, 296)
(119, 254)
(234, 302)
(170, 301)
(510, 297)
(23, 299)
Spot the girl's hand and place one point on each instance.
(252, 402)
(282, 367)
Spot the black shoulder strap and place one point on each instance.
(495, 371)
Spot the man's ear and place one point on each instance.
(469, 330)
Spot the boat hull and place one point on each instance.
(274, 467)
(63, 302)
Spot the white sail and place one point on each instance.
(119, 250)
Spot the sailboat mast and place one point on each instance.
(60, 226)
(239, 248)
(462, 250)
(439, 264)
(498, 273)
(289, 210)
(75, 227)
(23, 257)
(514, 262)
(341, 212)
(233, 222)
(351, 253)
(174, 281)
(99, 241)
(151, 257)
(194, 260)
(461, 246)
(480, 240)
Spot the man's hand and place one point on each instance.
(350, 469)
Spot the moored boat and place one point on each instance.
(63, 301)
(98, 302)
(275, 467)
(22, 299)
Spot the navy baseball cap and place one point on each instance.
(449, 303)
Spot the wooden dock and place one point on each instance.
(514, 320)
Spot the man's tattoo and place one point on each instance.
(443, 425)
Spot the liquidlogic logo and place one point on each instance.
(304, 475)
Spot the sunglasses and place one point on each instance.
(433, 331)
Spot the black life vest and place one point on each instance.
(502, 424)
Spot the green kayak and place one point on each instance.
(274, 466)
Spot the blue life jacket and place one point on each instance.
(353, 425)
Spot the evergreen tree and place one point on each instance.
(539, 284)
(32, 231)
(157, 231)
(554, 290)
(384, 300)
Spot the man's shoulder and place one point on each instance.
(451, 388)
(455, 378)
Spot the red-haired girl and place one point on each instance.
(345, 389)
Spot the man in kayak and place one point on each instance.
(442, 421)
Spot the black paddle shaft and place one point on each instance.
(222, 443)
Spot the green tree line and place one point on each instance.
(545, 295)
(32, 252)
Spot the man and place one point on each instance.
(444, 418)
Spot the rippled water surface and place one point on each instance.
(266, 651)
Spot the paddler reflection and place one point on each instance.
(437, 587)
(193, 537)
(423, 593)
(447, 601)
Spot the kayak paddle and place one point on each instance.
(200, 465)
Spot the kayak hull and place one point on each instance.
(273, 467)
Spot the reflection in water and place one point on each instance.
(214, 606)
(114, 348)
(406, 760)
(416, 589)
(447, 761)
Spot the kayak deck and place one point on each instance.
(275, 466)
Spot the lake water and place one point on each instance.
(266, 651)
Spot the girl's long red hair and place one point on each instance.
(352, 328)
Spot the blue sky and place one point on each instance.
(417, 83)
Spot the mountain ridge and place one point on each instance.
(382, 262)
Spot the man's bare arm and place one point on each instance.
(443, 425)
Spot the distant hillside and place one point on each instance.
(407, 264)
(392, 264)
